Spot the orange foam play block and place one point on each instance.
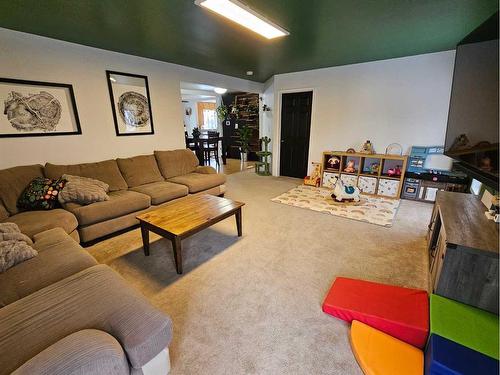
(381, 354)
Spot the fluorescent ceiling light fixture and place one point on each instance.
(220, 90)
(243, 15)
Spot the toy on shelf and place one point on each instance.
(350, 167)
(262, 167)
(367, 148)
(315, 178)
(333, 163)
(351, 151)
(394, 172)
(342, 193)
(374, 168)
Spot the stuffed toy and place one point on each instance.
(315, 178)
(367, 148)
(334, 162)
(350, 167)
(343, 192)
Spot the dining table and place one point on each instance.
(195, 144)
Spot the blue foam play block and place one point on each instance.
(445, 357)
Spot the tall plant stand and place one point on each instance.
(262, 167)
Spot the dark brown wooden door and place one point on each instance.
(295, 129)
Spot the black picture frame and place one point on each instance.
(112, 98)
(71, 106)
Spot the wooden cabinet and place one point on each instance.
(463, 251)
(374, 174)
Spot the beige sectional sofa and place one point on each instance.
(56, 318)
(136, 185)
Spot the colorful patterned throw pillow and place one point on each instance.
(41, 194)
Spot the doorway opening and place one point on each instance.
(214, 122)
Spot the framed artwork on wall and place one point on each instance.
(33, 108)
(130, 103)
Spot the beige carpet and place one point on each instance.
(253, 305)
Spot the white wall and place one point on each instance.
(402, 100)
(30, 57)
(266, 118)
(190, 121)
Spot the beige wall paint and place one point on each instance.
(30, 57)
(402, 100)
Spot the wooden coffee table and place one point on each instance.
(185, 217)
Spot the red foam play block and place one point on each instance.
(400, 312)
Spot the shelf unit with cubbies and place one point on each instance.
(374, 174)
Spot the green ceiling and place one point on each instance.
(322, 32)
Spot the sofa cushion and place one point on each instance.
(103, 228)
(205, 169)
(34, 222)
(106, 171)
(120, 203)
(59, 256)
(95, 298)
(13, 181)
(176, 163)
(41, 194)
(162, 191)
(199, 181)
(140, 170)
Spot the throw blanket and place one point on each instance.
(15, 247)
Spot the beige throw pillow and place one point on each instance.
(83, 190)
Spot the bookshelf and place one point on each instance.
(374, 174)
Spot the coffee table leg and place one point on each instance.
(238, 222)
(176, 245)
(145, 239)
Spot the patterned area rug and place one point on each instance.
(374, 210)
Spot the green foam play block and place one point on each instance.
(466, 325)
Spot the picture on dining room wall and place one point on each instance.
(130, 103)
(33, 108)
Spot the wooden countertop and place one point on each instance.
(465, 223)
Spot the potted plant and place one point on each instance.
(196, 133)
(222, 112)
(244, 134)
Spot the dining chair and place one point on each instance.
(189, 142)
(210, 147)
(213, 134)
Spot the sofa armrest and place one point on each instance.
(205, 169)
(87, 351)
(50, 237)
(81, 302)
